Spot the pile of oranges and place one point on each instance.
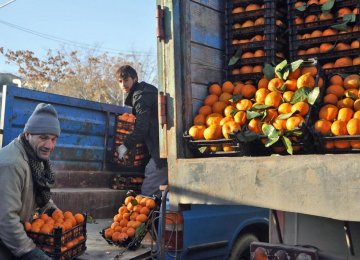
(221, 114)
(46, 224)
(340, 114)
(131, 216)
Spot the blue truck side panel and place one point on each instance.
(87, 127)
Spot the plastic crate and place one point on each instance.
(126, 182)
(53, 244)
(134, 243)
(137, 157)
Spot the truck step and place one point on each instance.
(86, 179)
(97, 202)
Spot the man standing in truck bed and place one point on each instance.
(143, 97)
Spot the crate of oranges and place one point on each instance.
(61, 235)
(136, 157)
(337, 125)
(132, 221)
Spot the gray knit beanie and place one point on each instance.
(44, 120)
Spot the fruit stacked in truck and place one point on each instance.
(327, 30)
(256, 34)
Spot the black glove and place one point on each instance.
(35, 254)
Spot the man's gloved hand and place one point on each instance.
(35, 254)
(122, 151)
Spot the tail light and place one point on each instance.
(173, 230)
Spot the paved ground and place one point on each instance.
(99, 249)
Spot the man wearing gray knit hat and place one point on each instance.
(26, 178)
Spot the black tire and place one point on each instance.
(241, 248)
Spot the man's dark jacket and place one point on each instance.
(143, 98)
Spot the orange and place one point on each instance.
(325, 47)
(329, 31)
(302, 107)
(313, 50)
(337, 90)
(215, 89)
(316, 33)
(229, 127)
(237, 10)
(355, 144)
(259, 53)
(291, 85)
(284, 108)
(248, 91)
(244, 104)
(355, 44)
(226, 119)
(260, 95)
(322, 126)
(342, 46)
(235, 72)
(329, 145)
(27, 226)
(275, 84)
(337, 80)
(294, 122)
(247, 23)
(311, 18)
(357, 105)
(346, 102)
(257, 69)
(339, 128)
(240, 118)
(259, 21)
(199, 119)
(247, 54)
(237, 88)
(205, 110)
(130, 232)
(328, 112)
(356, 61)
(218, 107)
(246, 69)
(225, 96)
(341, 144)
(353, 126)
(210, 99)
(197, 132)
(295, 74)
(227, 148)
(252, 7)
(271, 115)
(352, 81)
(228, 87)
(306, 80)
(255, 125)
(345, 114)
(287, 96)
(328, 65)
(263, 83)
(213, 118)
(212, 132)
(128, 200)
(343, 11)
(150, 203)
(273, 99)
(229, 110)
(326, 16)
(279, 124)
(330, 99)
(351, 93)
(343, 62)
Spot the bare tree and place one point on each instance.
(83, 75)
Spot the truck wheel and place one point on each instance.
(241, 248)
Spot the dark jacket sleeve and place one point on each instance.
(142, 106)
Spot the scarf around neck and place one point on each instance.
(42, 174)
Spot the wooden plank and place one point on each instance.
(209, 57)
(320, 185)
(205, 75)
(200, 91)
(207, 26)
(214, 4)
